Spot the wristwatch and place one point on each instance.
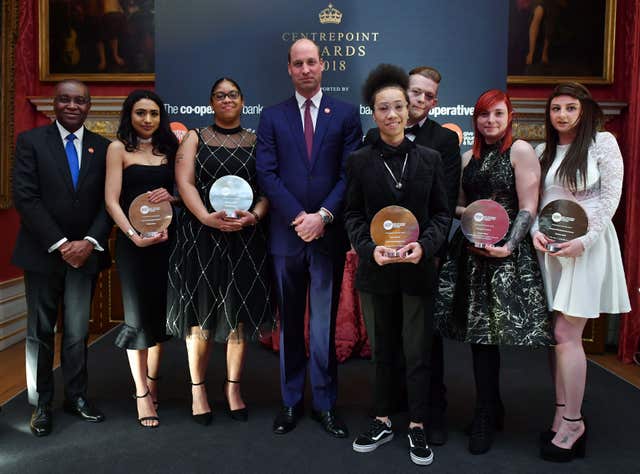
(325, 216)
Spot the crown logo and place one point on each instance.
(330, 15)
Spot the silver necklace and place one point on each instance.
(398, 183)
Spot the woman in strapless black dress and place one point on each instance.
(141, 161)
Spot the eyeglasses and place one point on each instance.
(220, 96)
(418, 92)
(79, 100)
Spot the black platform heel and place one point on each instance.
(553, 453)
(241, 414)
(548, 435)
(203, 419)
(146, 418)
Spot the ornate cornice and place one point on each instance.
(103, 117)
(529, 117)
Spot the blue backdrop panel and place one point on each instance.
(201, 40)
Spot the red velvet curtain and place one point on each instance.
(630, 325)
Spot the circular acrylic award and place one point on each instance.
(149, 218)
(394, 227)
(231, 193)
(484, 222)
(562, 220)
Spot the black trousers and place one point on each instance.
(410, 340)
(45, 292)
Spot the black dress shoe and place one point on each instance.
(81, 407)
(41, 420)
(330, 422)
(286, 419)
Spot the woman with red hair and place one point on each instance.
(494, 296)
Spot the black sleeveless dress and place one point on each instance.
(485, 300)
(143, 271)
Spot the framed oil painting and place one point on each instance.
(560, 40)
(9, 23)
(96, 40)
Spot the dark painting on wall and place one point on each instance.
(8, 35)
(97, 40)
(556, 40)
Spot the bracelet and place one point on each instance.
(130, 232)
(255, 214)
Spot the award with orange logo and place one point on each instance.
(484, 222)
(231, 193)
(149, 218)
(562, 220)
(394, 227)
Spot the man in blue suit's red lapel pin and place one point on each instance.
(303, 144)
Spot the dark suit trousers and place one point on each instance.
(44, 293)
(319, 275)
(401, 324)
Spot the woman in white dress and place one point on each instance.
(585, 276)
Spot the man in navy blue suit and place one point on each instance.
(303, 144)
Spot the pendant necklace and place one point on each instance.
(398, 183)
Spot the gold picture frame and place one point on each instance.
(9, 22)
(96, 45)
(583, 34)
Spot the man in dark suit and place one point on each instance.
(302, 146)
(424, 82)
(58, 190)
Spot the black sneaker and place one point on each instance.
(418, 450)
(378, 434)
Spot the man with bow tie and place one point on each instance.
(58, 191)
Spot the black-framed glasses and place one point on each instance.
(220, 96)
(78, 100)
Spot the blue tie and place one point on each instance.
(72, 158)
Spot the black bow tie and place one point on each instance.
(412, 130)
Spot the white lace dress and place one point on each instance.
(594, 282)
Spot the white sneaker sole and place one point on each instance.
(371, 447)
(421, 461)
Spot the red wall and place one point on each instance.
(28, 84)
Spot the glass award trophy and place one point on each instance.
(484, 222)
(149, 218)
(562, 220)
(231, 193)
(394, 227)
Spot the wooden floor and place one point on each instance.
(12, 381)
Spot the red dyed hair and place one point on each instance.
(484, 103)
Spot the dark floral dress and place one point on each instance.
(484, 300)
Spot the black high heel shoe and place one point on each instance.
(548, 435)
(146, 418)
(154, 379)
(241, 414)
(553, 453)
(203, 419)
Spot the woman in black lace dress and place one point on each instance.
(218, 282)
(141, 161)
(494, 296)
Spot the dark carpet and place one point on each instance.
(612, 408)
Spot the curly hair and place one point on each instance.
(163, 139)
(383, 76)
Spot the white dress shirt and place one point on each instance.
(315, 106)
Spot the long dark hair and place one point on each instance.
(574, 163)
(163, 140)
(487, 100)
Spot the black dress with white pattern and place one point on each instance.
(485, 300)
(218, 281)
